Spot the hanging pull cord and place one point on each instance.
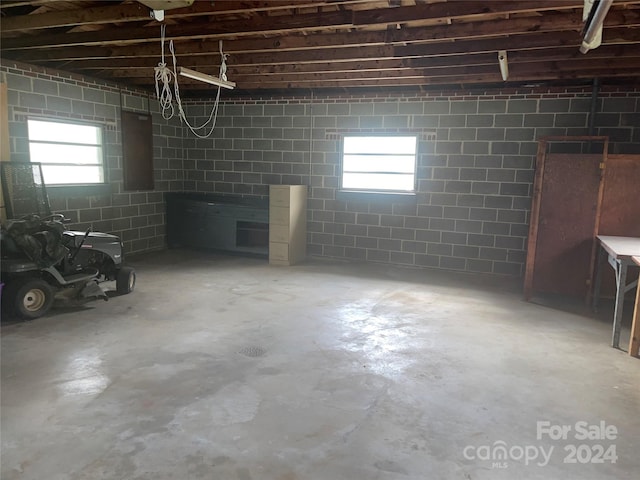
(164, 76)
(214, 111)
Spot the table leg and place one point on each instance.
(602, 256)
(634, 341)
(621, 283)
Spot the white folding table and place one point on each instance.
(634, 340)
(619, 252)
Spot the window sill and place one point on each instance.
(91, 190)
(373, 196)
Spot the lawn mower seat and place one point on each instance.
(40, 241)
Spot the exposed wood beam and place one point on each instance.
(132, 36)
(276, 58)
(12, 4)
(284, 43)
(566, 58)
(577, 65)
(568, 53)
(458, 9)
(520, 42)
(463, 80)
(346, 51)
(532, 42)
(344, 67)
(544, 23)
(532, 67)
(270, 25)
(384, 69)
(84, 16)
(135, 12)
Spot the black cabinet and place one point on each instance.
(215, 222)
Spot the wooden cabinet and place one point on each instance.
(287, 224)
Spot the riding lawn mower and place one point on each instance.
(42, 261)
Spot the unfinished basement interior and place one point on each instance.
(319, 239)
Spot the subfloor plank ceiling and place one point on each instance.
(325, 44)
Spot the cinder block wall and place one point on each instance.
(137, 216)
(476, 160)
(476, 157)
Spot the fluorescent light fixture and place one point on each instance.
(504, 67)
(203, 77)
(592, 31)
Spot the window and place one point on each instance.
(70, 153)
(379, 163)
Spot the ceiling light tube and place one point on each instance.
(504, 67)
(594, 27)
(203, 77)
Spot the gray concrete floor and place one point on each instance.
(226, 368)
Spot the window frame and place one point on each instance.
(373, 192)
(78, 188)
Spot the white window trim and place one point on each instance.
(380, 191)
(101, 145)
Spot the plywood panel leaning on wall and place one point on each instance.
(620, 214)
(564, 218)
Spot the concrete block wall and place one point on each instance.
(476, 165)
(476, 157)
(138, 217)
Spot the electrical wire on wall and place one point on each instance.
(164, 76)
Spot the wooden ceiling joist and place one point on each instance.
(325, 43)
(136, 12)
(285, 24)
